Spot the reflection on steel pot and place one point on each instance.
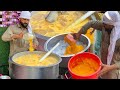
(41, 39)
(4, 77)
(18, 71)
(84, 40)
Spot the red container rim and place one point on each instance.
(87, 75)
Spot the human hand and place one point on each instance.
(17, 36)
(34, 46)
(76, 36)
(70, 39)
(20, 35)
(105, 69)
(92, 31)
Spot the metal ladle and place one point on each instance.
(48, 53)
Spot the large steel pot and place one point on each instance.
(17, 71)
(61, 48)
(42, 39)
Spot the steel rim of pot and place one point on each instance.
(46, 49)
(59, 60)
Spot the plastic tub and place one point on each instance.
(88, 55)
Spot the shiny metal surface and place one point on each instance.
(4, 77)
(84, 40)
(42, 39)
(17, 71)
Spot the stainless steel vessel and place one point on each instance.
(17, 71)
(42, 39)
(84, 40)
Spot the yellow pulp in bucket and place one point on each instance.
(85, 67)
(33, 60)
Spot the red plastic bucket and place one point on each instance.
(87, 55)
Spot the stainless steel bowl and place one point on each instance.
(17, 71)
(84, 40)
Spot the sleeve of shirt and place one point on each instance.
(117, 61)
(118, 64)
(116, 56)
(92, 24)
(35, 41)
(8, 34)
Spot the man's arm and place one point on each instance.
(9, 35)
(92, 24)
(35, 42)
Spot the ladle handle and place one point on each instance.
(48, 53)
(78, 21)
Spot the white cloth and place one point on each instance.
(112, 18)
(29, 28)
(25, 14)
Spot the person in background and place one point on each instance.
(15, 34)
(110, 45)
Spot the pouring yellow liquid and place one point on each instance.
(31, 43)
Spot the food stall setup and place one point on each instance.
(63, 58)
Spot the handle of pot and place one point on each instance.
(66, 76)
